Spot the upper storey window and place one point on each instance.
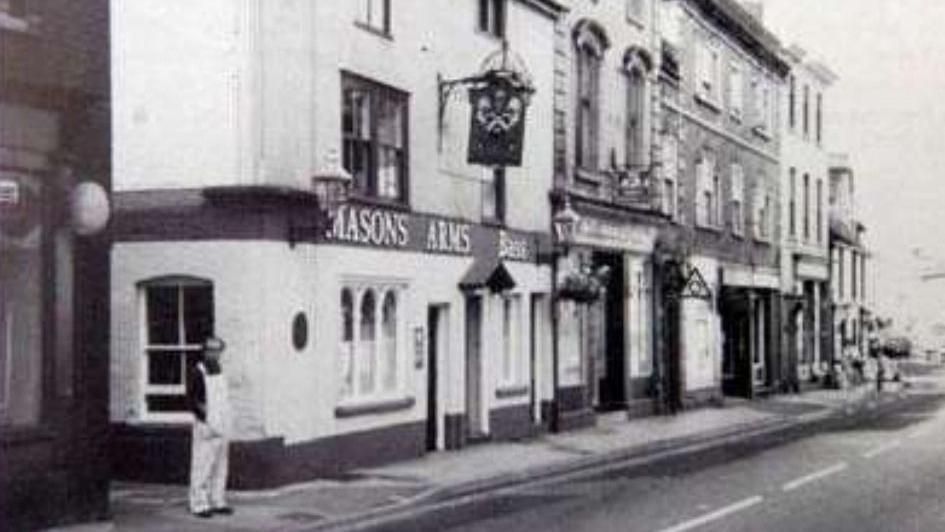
(492, 16)
(375, 15)
(590, 44)
(374, 134)
(708, 73)
(763, 98)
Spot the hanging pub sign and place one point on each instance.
(497, 124)
(498, 97)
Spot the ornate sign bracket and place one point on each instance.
(499, 96)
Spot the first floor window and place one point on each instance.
(738, 200)
(374, 137)
(492, 17)
(370, 350)
(707, 208)
(375, 14)
(670, 156)
(178, 317)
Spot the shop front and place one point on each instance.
(379, 337)
(54, 182)
(606, 342)
(748, 310)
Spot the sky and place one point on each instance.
(887, 110)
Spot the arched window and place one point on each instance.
(636, 112)
(590, 43)
(346, 346)
(367, 338)
(389, 340)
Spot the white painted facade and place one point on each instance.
(245, 93)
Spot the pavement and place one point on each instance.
(376, 497)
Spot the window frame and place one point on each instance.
(492, 18)
(364, 18)
(737, 201)
(636, 102)
(707, 179)
(806, 184)
(589, 55)
(709, 74)
(736, 93)
(670, 159)
(820, 211)
(146, 389)
(792, 205)
(378, 391)
(379, 95)
(513, 341)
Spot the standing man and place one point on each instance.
(209, 449)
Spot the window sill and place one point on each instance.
(708, 102)
(635, 20)
(709, 228)
(508, 392)
(761, 132)
(588, 176)
(494, 222)
(376, 31)
(381, 406)
(489, 35)
(374, 201)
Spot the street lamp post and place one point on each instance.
(564, 225)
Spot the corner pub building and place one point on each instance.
(414, 318)
(54, 178)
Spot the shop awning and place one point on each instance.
(487, 273)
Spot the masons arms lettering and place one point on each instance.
(370, 226)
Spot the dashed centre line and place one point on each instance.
(817, 475)
(880, 449)
(716, 515)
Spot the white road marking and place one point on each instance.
(716, 515)
(880, 449)
(796, 483)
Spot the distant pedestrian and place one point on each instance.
(209, 449)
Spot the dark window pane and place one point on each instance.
(163, 315)
(198, 313)
(347, 316)
(165, 367)
(167, 403)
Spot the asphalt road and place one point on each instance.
(873, 471)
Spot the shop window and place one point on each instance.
(370, 351)
(492, 14)
(511, 338)
(374, 133)
(22, 323)
(178, 316)
(374, 15)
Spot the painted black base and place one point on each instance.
(162, 454)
